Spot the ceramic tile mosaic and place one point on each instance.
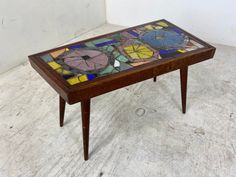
(120, 51)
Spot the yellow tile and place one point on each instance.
(158, 27)
(149, 27)
(145, 55)
(54, 65)
(73, 80)
(164, 24)
(130, 48)
(182, 51)
(147, 52)
(144, 50)
(83, 78)
(63, 71)
(140, 47)
(134, 55)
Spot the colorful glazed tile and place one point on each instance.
(68, 76)
(91, 76)
(139, 63)
(124, 66)
(181, 51)
(138, 52)
(63, 71)
(177, 30)
(163, 39)
(90, 44)
(83, 78)
(54, 65)
(108, 70)
(168, 53)
(106, 43)
(149, 27)
(73, 80)
(56, 53)
(132, 32)
(117, 63)
(86, 60)
(153, 27)
(101, 40)
(158, 27)
(108, 48)
(122, 58)
(161, 23)
(47, 58)
(76, 46)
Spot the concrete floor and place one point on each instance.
(137, 131)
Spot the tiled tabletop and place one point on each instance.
(120, 51)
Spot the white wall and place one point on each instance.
(29, 26)
(212, 20)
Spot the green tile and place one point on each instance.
(47, 58)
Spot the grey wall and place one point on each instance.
(27, 26)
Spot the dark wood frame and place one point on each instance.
(83, 92)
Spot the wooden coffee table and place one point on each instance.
(88, 68)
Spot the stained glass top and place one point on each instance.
(120, 51)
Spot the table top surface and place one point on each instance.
(113, 53)
(120, 51)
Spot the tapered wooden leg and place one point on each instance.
(154, 79)
(85, 108)
(183, 80)
(62, 104)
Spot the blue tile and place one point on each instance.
(168, 53)
(91, 76)
(177, 30)
(106, 43)
(77, 46)
(133, 33)
(67, 76)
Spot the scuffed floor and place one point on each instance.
(137, 131)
